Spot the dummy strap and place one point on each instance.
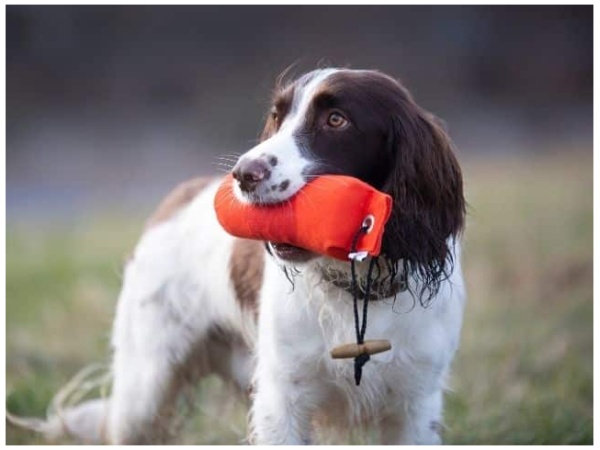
(361, 359)
(361, 351)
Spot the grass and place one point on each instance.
(523, 374)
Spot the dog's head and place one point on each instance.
(363, 124)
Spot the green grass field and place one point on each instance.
(523, 374)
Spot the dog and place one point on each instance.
(265, 315)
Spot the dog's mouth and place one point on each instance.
(291, 253)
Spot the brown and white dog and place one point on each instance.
(265, 315)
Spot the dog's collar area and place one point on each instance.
(380, 289)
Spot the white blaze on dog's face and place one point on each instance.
(275, 170)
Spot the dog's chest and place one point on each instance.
(301, 324)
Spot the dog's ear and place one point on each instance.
(426, 186)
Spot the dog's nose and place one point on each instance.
(250, 173)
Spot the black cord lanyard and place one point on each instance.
(361, 329)
(362, 350)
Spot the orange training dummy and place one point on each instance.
(324, 216)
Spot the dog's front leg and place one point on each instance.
(416, 421)
(282, 410)
(286, 380)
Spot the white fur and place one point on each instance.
(291, 162)
(177, 289)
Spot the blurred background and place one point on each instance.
(109, 107)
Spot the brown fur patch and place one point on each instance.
(177, 199)
(246, 267)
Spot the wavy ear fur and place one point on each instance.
(429, 206)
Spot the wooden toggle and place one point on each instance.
(354, 350)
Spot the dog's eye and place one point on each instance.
(274, 114)
(336, 120)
